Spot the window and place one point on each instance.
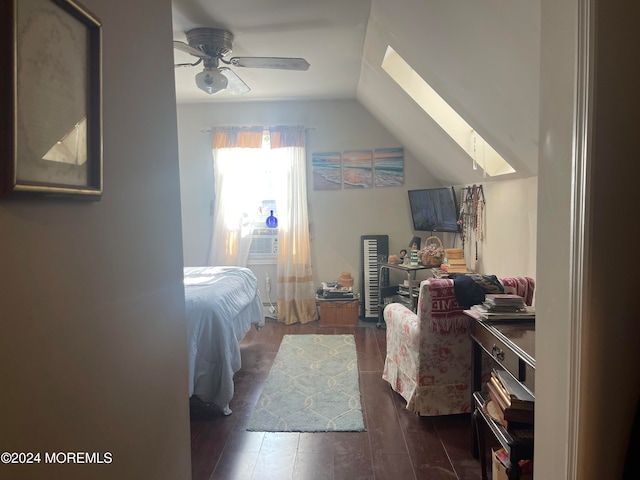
(441, 112)
(253, 186)
(246, 176)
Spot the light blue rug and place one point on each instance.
(312, 387)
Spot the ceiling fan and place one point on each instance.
(211, 45)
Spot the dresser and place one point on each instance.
(511, 344)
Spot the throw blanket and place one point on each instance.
(470, 289)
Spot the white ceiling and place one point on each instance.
(329, 34)
(481, 56)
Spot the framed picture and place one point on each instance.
(327, 173)
(388, 165)
(50, 99)
(357, 169)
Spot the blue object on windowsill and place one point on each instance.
(272, 222)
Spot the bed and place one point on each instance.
(222, 304)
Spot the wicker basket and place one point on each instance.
(431, 254)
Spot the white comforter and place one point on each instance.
(222, 303)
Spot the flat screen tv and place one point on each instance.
(434, 210)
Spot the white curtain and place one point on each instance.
(296, 292)
(235, 152)
(238, 189)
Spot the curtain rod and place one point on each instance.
(210, 130)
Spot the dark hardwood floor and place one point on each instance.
(397, 444)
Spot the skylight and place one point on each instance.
(434, 105)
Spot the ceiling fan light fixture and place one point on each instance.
(210, 45)
(211, 81)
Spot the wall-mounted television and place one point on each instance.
(434, 209)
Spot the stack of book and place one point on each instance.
(501, 302)
(454, 261)
(512, 403)
(503, 306)
(455, 265)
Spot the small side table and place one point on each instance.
(386, 290)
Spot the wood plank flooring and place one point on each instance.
(398, 445)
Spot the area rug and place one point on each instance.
(312, 387)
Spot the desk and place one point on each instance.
(385, 290)
(512, 345)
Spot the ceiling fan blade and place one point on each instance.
(236, 85)
(178, 45)
(281, 63)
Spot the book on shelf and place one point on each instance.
(495, 384)
(498, 400)
(519, 397)
(511, 411)
(495, 412)
(508, 415)
(513, 422)
(516, 418)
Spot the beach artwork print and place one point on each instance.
(357, 169)
(326, 171)
(388, 167)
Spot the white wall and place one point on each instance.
(93, 343)
(508, 247)
(339, 218)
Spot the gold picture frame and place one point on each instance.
(51, 97)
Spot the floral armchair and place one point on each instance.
(428, 358)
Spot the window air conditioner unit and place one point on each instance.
(263, 246)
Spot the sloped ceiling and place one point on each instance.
(481, 56)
